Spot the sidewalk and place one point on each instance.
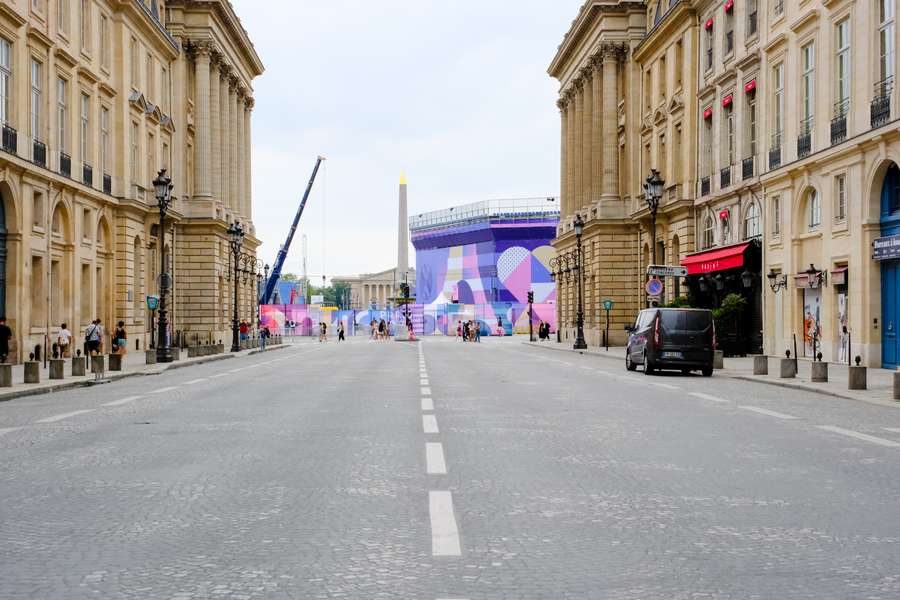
(133, 365)
(880, 381)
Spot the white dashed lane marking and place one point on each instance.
(5, 430)
(427, 404)
(709, 397)
(444, 533)
(195, 381)
(426, 391)
(429, 424)
(434, 459)
(860, 436)
(665, 386)
(892, 429)
(123, 401)
(56, 418)
(219, 375)
(163, 390)
(770, 413)
(423, 382)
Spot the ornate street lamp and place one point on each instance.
(776, 282)
(162, 188)
(236, 240)
(580, 344)
(814, 276)
(653, 188)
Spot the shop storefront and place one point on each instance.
(715, 274)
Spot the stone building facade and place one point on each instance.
(95, 97)
(377, 289)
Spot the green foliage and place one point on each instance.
(679, 302)
(289, 277)
(732, 307)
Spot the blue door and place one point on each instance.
(890, 271)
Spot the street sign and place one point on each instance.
(152, 302)
(607, 304)
(667, 271)
(654, 287)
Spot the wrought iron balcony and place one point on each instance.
(10, 139)
(725, 177)
(775, 152)
(87, 174)
(839, 122)
(107, 184)
(65, 164)
(39, 153)
(804, 140)
(747, 168)
(704, 186)
(881, 102)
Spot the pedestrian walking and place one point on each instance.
(5, 336)
(244, 329)
(477, 331)
(465, 335)
(120, 339)
(263, 336)
(341, 332)
(382, 330)
(64, 341)
(93, 335)
(373, 329)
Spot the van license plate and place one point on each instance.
(672, 355)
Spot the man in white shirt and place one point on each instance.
(64, 341)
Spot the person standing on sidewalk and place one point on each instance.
(64, 341)
(120, 338)
(93, 335)
(5, 335)
(341, 337)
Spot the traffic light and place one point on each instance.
(530, 297)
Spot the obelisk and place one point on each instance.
(402, 234)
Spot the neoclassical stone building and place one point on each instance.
(95, 97)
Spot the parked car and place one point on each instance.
(672, 338)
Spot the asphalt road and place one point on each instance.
(446, 470)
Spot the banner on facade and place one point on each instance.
(886, 248)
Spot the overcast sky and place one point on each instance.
(453, 93)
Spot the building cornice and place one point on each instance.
(583, 25)
(12, 16)
(674, 18)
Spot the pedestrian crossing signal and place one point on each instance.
(530, 297)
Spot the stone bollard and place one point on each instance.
(896, 385)
(115, 362)
(857, 379)
(760, 365)
(78, 366)
(150, 357)
(32, 371)
(57, 368)
(98, 364)
(719, 360)
(819, 372)
(788, 369)
(5, 375)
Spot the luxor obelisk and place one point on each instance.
(402, 235)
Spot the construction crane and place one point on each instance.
(283, 251)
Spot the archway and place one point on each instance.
(890, 269)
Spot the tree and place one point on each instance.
(289, 277)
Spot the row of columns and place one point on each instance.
(223, 109)
(589, 115)
(379, 292)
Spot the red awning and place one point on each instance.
(839, 276)
(719, 259)
(750, 86)
(729, 4)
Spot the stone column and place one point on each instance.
(611, 53)
(578, 196)
(233, 198)
(241, 155)
(571, 153)
(587, 138)
(596, 131)
(563, 149)
(202, 164)
(215, 116)
(225, 135)
(248, 155)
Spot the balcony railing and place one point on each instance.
(804, 140)
(839, 122)
(65, 164)
(747, 168)
(39, 153)
(704, 186)
(775, 152)
(107, 184)
(881, 102)
(725, 177)
(10, 139)
(87, 174)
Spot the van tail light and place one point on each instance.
(714, 336)
(656, 336)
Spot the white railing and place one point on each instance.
(525, 209)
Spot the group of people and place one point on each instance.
(381, 330)
(469, 331)
(543, 331)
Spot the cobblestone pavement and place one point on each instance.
(446, 470)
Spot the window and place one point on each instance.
(776, 216)
(840, 198)
(151, 154)
(104, 41)
(752, 17)
(709, 232)
(751, 125)
(814, 210)
(707, 146)
(86, 233)
(164, 95)
(842, 64)
(35, 99)
(727, 137)
(676, 155)
(85, 25)
(709, 48)
(166, 157)
(728, 33)
(648, 91)
(885, 39)
(663, 157)
(751, 222)
(37, 5)
(104, 140)
(62, 15)
(5, 78)
(62, 113)
(37, 209)
(663, 75)
(778, 104)
(808, 83)
(679, 59)
(150, 79)
(135, 152)
(134, 65)
(85, 129)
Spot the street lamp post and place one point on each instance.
(580, 344)
(162, 187)
(652, 194)
(236, 234)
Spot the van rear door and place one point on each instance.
(687, 331)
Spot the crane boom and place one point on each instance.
(282, 253)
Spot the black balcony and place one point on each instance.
(881, 102)
(704, 186)
(725, 177)
(747, 168)
(10, 139)
(804, 144)
(39, 153)
(107, 184)
(839, 122)
(87, 174)
(65, 164)
(775, 157)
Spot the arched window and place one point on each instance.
(813, 210)
(709, 232)
(751, 222)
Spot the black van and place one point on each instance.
(672, 338)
